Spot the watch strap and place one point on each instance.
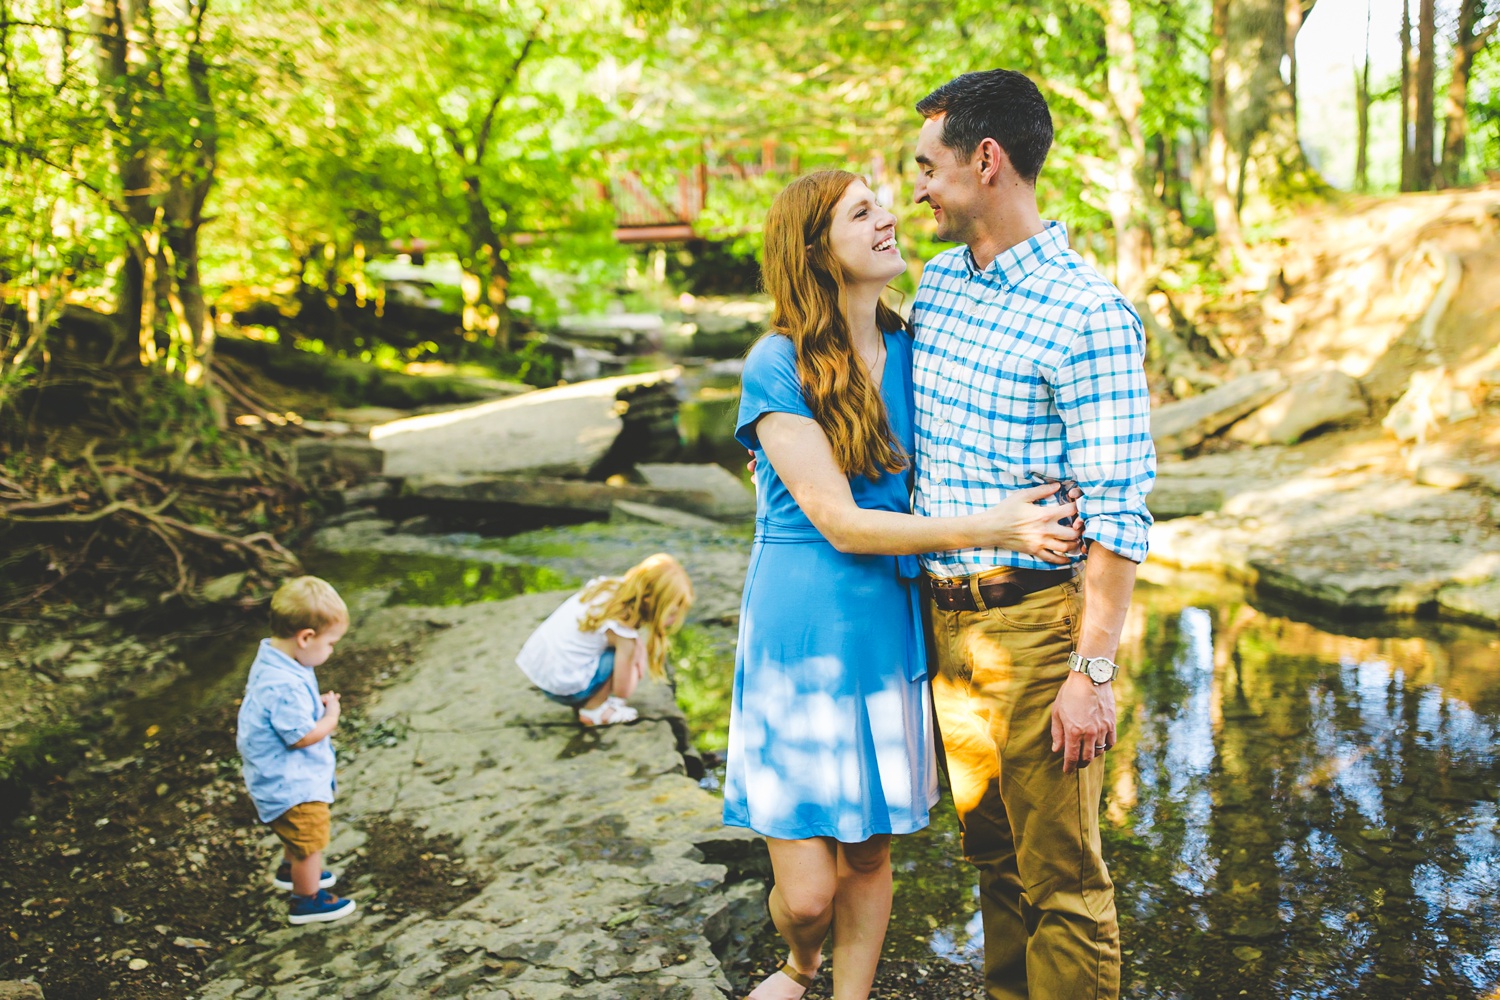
(1080, 663)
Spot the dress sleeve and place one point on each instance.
(769, 385)
(623, 631)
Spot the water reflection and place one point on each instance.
(1296, 813)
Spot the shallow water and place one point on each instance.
(1290, 811)
(215, 668)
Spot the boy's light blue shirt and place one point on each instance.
(281, 705)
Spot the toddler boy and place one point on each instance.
(285, 751)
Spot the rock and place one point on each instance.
(1443, 475)
(730, 496)
(1359, 542)
(1184, 424)
(191, 944)
(1184, 497)
(663, 515)
(1475, 602)
(53, 652)
(1328, 398)
(346, 458)
(223, 588)
(561, 431)
(579, 845)
(333, 428)
(17, 989)
(573, 495)
(619, 331)
(83, 670)
(1430, 398)
(366, 493)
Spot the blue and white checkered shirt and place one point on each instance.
(1030, 370)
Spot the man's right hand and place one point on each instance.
(1024, 523)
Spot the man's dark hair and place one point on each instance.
(998, 104)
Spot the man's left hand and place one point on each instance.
(1083, 721)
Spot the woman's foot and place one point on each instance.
(786, 983)
(613, 710)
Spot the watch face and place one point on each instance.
(1101, 670)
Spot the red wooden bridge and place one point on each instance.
(644, 215)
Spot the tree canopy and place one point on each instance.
(158, 154)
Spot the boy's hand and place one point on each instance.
(331, 706)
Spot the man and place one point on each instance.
(1029, 367)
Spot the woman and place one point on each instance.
(830, 746)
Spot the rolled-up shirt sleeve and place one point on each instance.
(292, 715)
(1101, 395)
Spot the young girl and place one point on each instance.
(591, 653)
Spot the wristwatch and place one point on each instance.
(1099, 669)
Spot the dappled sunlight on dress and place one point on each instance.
(829, 731)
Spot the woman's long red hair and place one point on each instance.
(806, 285)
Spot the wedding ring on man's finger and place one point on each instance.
(1100, 746)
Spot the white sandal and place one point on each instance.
(614, 707)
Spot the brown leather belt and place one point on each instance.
(994, 589)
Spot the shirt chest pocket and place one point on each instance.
(1000, 386)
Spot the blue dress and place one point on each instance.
(830, 729)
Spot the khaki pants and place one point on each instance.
(1048, 905)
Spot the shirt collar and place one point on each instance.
(1010, 268)
(271, 654)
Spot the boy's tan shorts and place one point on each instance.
(303, 828)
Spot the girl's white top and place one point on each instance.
(561, 658)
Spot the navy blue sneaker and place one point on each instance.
(317, 909)
(283, 878)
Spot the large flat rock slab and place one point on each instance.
(730, 497)
(1184, 424)
(571, 495)
(1327, 398)
(560, 431)
(1347, 539)
(590, 844)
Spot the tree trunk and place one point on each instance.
(1128, 197)
(131, 163)
(1362, 112)
(1226, 214)
(1423, 162)
(485, 302)
(1261, 105)
(1408, 102)
(1456, 118)
(163, 192)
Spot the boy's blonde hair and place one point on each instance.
(651, 592)
(305, 602)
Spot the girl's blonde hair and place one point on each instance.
(652, 594)
(806, 285)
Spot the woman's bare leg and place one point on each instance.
(861, 912)
(801, 907)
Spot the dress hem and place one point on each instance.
(899, 829)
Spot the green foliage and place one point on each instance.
(170, 414)
(703, 671)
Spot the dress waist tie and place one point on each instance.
(907, 568)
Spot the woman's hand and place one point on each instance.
(1022, 523)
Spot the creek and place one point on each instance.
(1293, 810)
